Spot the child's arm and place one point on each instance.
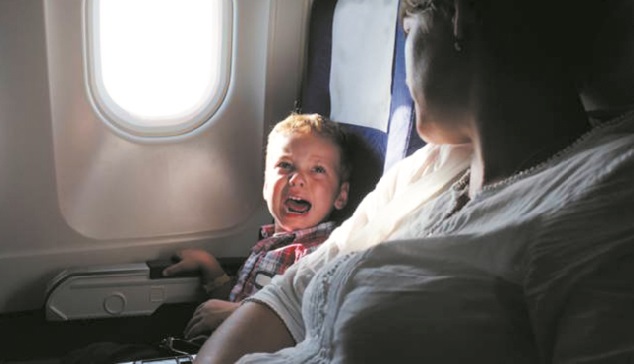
(197, 260)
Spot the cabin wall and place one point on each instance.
(49, 135)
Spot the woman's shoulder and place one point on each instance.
(618, 131)
(426, 160)
(606, 150)
(601, 154)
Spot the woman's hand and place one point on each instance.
(192, 260)
(253, 328)
(208, 316)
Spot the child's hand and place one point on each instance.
(208, 316)
(192, 260)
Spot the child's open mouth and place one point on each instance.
(297, 205)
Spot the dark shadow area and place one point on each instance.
(28, 336)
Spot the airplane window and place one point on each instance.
(157, 67)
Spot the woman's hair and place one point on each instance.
(417, 6)
(315, 124)
(556, 31)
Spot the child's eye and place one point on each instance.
(319, 169)
(284, 165)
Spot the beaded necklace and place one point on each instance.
(553, 158)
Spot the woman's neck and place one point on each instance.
(514, 134)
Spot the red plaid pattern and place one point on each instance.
(273, 254)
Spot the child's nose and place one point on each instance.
(296, 179)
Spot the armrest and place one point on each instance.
(122, 290)
(115, 291)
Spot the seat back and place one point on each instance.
(355, 74)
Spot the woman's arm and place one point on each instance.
(251, 328)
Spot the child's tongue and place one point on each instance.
(298, 206)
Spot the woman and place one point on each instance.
(527, 257)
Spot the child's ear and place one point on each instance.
(342, 197)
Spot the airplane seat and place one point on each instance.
(360, 83)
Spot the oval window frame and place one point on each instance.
(122, 121)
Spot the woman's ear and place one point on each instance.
(458, 26)
(465, 15)
(342, 196)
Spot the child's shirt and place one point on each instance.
(273, 254)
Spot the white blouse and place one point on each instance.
(536, 268)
